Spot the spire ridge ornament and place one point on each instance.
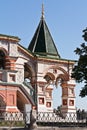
(42, 17)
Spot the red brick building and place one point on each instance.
(29, 75)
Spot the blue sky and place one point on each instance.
(65, 20)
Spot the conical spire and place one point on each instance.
(42, 43)
(42, 17)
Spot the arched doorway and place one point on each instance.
(57, 96)
(29, 91)
(21, 101)
(29, 72)
(54, 89)
(29, 79)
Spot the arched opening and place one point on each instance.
(27, 73)
(58, 91)
(54, 88)
(49, 88)
(49, 77)
(28, 78)
(57, 94)
(20, 101)
(2, 60)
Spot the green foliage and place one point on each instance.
(12, 123)
(80, 69)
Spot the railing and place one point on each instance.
(15, 119)
(29, 88)
(67, 119)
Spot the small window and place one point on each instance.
(64, 102)
(12, 77)
(41, 100)
(48, 104)
(71, 102)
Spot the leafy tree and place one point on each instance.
(80, 69)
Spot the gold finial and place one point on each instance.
(42, 11)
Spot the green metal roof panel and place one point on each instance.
(51, 48)
(40, 45)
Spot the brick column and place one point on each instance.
(68, 98)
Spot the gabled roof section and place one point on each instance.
(42, 42)
(9, 38)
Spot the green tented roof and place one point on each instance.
(42, 42)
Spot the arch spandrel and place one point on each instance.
(51, 75)
(57, 73)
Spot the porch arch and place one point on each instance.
(54, 75)
(49, 77)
